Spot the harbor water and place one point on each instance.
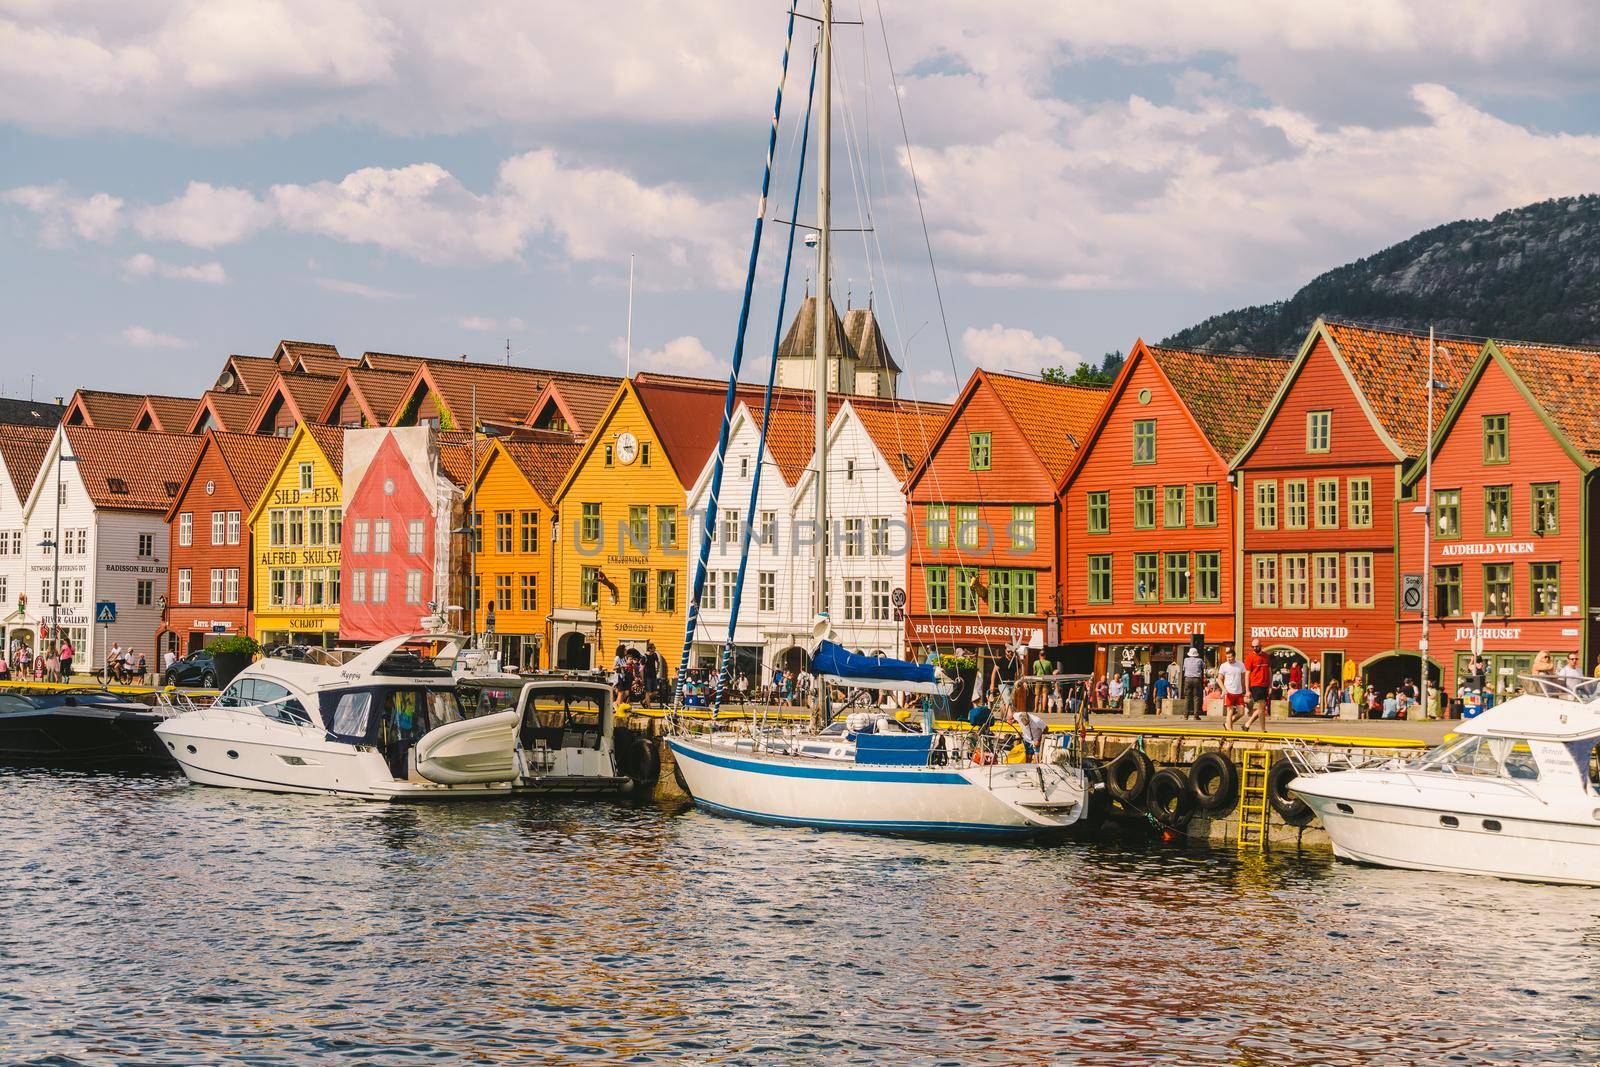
(145, 919)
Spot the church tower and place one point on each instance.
(797, 353)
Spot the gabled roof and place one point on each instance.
(309, 357)
(331, 440)
(249, 460)
(1054, 420)
(801, 340)
(902, 430)
(23, 450)
(305, 395)
(544, 459)
(246, 374)
(504, 394)
(129, 470)
(581, 398)
(1225, 392)
(1387, 369)
(328, 439)
(15, 412)
(228, 411)
(107, 411)
(378, 393)
(456, 450)
(166, 414)
(866, 337)
(391, 361)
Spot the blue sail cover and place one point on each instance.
(874, 672)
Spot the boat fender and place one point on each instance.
(1128, 776)
(1214, 782)
(1288, 806)
(644, 763)
(1169, 799)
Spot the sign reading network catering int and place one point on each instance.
(105, 612)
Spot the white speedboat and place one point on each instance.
(565, 735)
(383, 725)
(1510, 794)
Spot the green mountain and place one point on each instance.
(1532, 273)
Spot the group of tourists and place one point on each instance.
(19, 662)
(639, 677)
(125, 666)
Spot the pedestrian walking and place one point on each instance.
(1194, 671)
(1235, 682)
(1259, 670)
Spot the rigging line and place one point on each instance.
(944, 320)
(692, 619)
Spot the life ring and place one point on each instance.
(1214, 782)
(1168, 797)
(1288, 806)
(644, 762)
(1128, 776)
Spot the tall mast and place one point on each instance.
(824, 320)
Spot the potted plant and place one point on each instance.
(964, 671)
(232, 654)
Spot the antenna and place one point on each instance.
(628, 364)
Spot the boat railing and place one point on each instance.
(1582, 689)
(177, 702)
(1309, 758)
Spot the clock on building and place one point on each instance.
(627, 448)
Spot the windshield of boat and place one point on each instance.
(881, 724)
(266, 696)
(478, 699)
(1489, 757)
(372, 713)
(566, 707)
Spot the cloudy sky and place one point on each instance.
(183, 180)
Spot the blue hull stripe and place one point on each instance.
(918, 829)
(846, 773)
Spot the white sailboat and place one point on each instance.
(915, 783)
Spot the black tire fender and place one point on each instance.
(1214, 782)
(1168, 797)
(644, 763)
(1289, 807)
(1128, 776)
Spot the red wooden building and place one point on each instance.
(985, 517)
(1321, 475)
(1148, 559)
(209, 576)
(1514, 497)
(394, 532)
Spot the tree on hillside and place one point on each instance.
(1086, 374)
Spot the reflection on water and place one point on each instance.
(146, 918)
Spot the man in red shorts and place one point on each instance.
(1259, 668)
(1231, 677)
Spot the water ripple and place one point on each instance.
(148, 919)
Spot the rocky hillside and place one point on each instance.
(1532, 273)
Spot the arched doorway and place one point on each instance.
(793, 659)
(573, 652)
(1391, 671)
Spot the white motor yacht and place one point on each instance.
(383, 725)
(1509, 794)
(565, 734)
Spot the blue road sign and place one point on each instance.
(105, 612)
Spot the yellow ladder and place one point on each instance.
(1253, 800)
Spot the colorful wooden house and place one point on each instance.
(985, 515)
(1150, 510)
(1514, 499)
(1321, 479)
(296, 531)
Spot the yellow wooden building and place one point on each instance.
(621, 573)
(515, 561)
(297, 526)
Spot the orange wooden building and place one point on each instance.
(985, 517)
(1514, 495)
(1321, 480)
(1150, 511)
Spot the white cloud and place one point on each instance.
(366, 292)
(681, 355)
(143, 337)
(144, 265)
(1009, 348)
(205, 216)
(64, 217)
(484, 324)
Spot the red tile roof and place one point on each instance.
(251, 459)
(331, 440)
(309, 357)
(504, 394)
(1562, 379)
(687, 416)
(229, 411)
(1226, 392)
(306, 396)
(1055, 420)
(1391, 369)
(544, 458)
(22, 450)
(170, 414)
(107, 411)
(249, 374)
(902, 430)
(584, 397)
(129, 470)
(378, 393)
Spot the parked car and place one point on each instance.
(197, 668)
